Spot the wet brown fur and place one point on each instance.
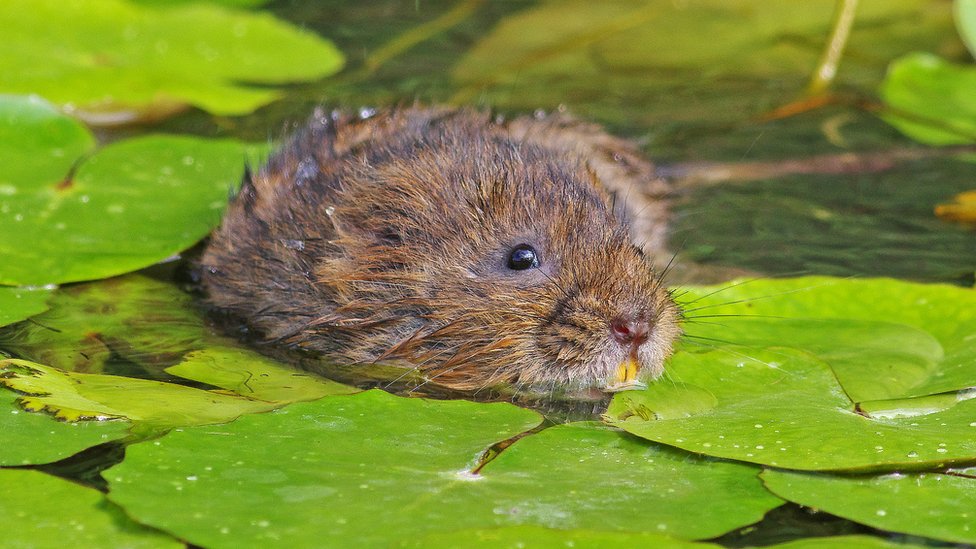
(386, 238)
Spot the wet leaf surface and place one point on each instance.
(930, 99)
(883, 338)
(783, 408)
(113, 62)
(932, 505)
(351, 459)
(16, 304)
(129, 205)
(39, 438)
(40, 510)
(515, 537)
(74, 396)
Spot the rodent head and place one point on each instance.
(483, 261)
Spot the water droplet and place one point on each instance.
(187, 160)
(881, 512)
(758, 426)
(191, 477)
(84, 198)
(293, 244)
(8, 190)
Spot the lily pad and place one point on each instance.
(33, 513)
(111, 61)
(32, 439)
(320, 473)
(884, 338)
(16, 304)
(518, 537)
(934, 505)
(844, 542)
(74, 396)
(131, 204)
(783, 408)
(930, 99)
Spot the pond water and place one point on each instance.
(698, 85)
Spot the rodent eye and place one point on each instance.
(523, 257)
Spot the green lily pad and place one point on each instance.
(586, 476)
(111, 61)
(844, 542)
(929, 99)
(884, 338)
(965, 16)
(16, 304)
(518, 537)
(32, 439)
(320, 473)
(74, 396)
(783, 408)
(39, 510)
(131, 204)
(934, 505)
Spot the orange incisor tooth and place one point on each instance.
(627, 371)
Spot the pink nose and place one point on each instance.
(629, 331)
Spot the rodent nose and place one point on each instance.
(629, 331)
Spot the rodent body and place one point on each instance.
(478, 250)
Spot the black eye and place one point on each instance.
(522, 257)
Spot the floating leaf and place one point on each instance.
(783, 408)
(961, 210)
(39, 438)
(320, 473)
(132, 204)
(883, 338)
(933, 505)
(844, 542)
(16, 304)
(965, 15)
(74, 396)
(113, 62)
(514, 537)
(931, 99)
(39, 510)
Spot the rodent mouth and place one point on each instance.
(625, 378)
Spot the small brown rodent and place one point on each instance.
(479, 250)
